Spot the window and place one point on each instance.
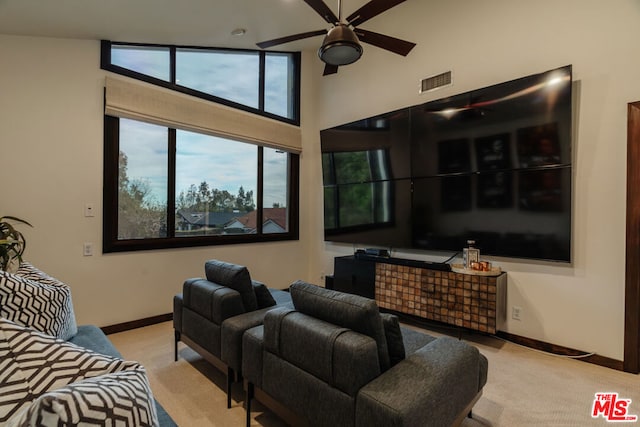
(181, 172)
(264, 83)
(168, 187)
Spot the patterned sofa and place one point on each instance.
(334, 360)
(53, 372)
(212, 314)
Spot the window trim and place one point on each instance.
(110, 241)
(105, 64)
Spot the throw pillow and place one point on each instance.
(122, 398)
(235, 277)
(263, 296)
(349, 311)
(33, 364)
(395, 343)
(34, 299)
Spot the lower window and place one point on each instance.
(175, 188)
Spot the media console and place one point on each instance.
(426, 290)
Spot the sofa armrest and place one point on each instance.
(212, 301)
(432, 387)
(252, 360)
(232, 330)
(177, 312)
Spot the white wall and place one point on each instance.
(51, 145)
(487, 42)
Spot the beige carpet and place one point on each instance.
(525, 387)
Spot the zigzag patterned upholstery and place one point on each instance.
(34, 299)
(48, 382)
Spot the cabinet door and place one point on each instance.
(355, 276)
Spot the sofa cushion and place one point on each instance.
(350, 311)
(32, 298)
(33, 364)
(263, 296)
(121, 397)
(393, 334)
(235, 277)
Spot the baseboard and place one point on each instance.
(563, 351)
(558, 350)
(134, 324)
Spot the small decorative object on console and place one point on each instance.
(470, 255)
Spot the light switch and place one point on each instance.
(89, 210)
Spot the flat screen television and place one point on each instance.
(492, 165)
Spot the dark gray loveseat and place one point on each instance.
(212, 314)
(334, 360)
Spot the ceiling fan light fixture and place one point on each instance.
(340, 46)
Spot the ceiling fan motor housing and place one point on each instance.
(340, 46)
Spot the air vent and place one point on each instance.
(435, 82)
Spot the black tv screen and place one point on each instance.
(492, 165)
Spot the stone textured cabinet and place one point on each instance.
(412, 287)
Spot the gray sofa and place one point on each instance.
(212, 314)
(334, 360)
(92, 338)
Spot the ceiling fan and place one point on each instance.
(341, 45)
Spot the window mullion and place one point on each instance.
(171, 187)
(172, 65)
(261, 81)
(259, 205)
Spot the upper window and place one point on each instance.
(265, 83)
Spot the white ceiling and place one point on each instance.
(178, 22)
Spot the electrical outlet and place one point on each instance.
(87, 249)
(516, 313)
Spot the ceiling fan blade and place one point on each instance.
(287, 39)
(371, 9)
(401, 47)
(323, 10)
(330, 69)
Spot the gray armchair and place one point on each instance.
(335, 360)
(211, 315)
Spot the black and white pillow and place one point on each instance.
(124, 398)
(58, 383)
(34, 299)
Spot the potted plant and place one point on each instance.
(12, 242)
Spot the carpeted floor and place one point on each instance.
(525, 387)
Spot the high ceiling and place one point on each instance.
(179, 22)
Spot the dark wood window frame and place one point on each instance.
(111, 243)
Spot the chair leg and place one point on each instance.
(175, 345)
(230, 377)
(247, 401)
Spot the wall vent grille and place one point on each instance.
(435, 82)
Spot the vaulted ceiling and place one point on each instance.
(183, 22)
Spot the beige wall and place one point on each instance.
(51, 157)
(51, 142)
(491, 41)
